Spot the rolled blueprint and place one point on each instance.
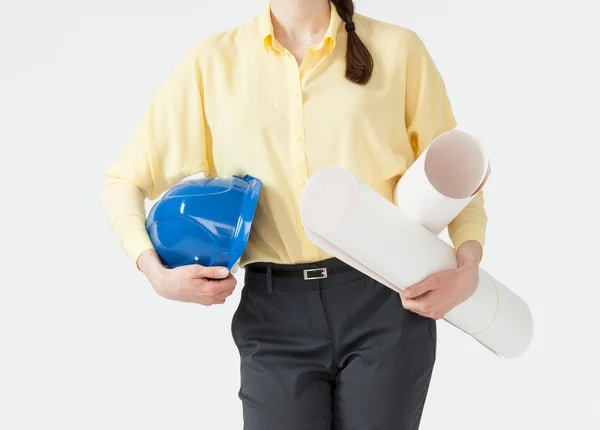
(443, 180)
(348, 219)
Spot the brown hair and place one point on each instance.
(359, 62)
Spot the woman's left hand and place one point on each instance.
(436, 295)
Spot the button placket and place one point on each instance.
(298, 150)
(300, 159)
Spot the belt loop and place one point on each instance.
(269, 279)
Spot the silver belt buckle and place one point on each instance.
(310, 274)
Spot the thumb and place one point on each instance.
(420, 288)
(215, 272)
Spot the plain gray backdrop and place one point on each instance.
(85, 343)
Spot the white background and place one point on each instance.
(85, 342)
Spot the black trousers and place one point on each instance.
(333, 353)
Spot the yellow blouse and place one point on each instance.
(238, 103)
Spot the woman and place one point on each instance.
(306, 84)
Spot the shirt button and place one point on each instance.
(298, 138)
(301, 182)
(297, 94)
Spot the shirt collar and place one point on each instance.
(265, 25)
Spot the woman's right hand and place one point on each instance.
(193, 283)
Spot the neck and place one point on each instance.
(300, 19)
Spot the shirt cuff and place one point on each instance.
(469, 231)
(136, 243)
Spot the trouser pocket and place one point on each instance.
(234, 319)
(433, 333)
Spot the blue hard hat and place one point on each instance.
(204, 221)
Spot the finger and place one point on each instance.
(218, 302)
(410, 305)
(223, 295)
(419, 306)
(213, 272)
(216, 287)
(219, 299)
(423, 287)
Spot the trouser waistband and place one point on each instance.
(303, 276)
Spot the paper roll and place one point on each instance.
(353, 218)
(443, 180)
(348, 219)
(509, 327)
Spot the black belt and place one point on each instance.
(323, 270)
